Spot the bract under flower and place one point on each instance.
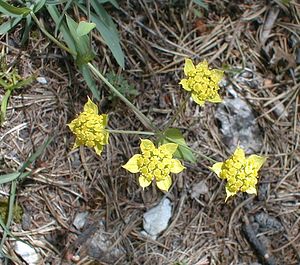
(240, 172)
(202, 82)
(155, 164)
(89, 128)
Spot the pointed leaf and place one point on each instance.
(201, 3)
(108, 30)
(86, 73)
(132, 164)
(169, 148)
(113, 2)
(176, 167)
(164, 184)
(12, 176)
(8, 25)
(217, 168)
(84, 28)
(90, 107)
(173, 135)
(67, 36)
(144, 182)
(13, 11)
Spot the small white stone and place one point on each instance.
(157, 218)
(27, 253)
(42, 80)
(80, 219)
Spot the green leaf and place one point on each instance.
(62, 16)
(84, 28)
(35, 155)
(90, 81)
(108, 31)
(174, 135)
(201, 3)
(26, 30)
(8, 25)
(9, 89)
(22, 83)
(113, 2)
(67, 36)
(55, 2)
(4, 103)
(12, 176)
(84, 53)
(38, 5)
(13, 11)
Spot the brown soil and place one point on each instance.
(156, 36)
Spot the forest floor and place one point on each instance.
(258, 45)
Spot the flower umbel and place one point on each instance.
(202, 82)
(89, 128)
(155, 163)
(240, 172)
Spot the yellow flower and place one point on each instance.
(89, 128)
(240, 172)
(202, 82)
(155, 163)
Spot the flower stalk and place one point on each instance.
(132, 132)
(139, 114)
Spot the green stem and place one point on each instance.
(42, 28)
(190, 149)
(12, 198)
(140, 115)
(4, 103)
(179, 110)
(131, 132)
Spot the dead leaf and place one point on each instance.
(198, 189)
(280, 54)
(268, 24)
(201, 27)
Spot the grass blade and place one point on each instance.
(13, 11)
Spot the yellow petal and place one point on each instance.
(72, 125)
(176, 166)
(185, 85)
(256, 160)
(146, 145)
(98, 149)
(105, 119)
(216, 99)
(132, 164)
(90, 107)
(106, 136)
(217, 168)
(76, 144)
(251, 190)
(164, 184)
(239, 153)
(229, 194)
(202, 65)
(188, 67)
(197, 100)
(169, 148)
(144, 182)
(216, 75)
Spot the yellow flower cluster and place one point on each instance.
(155, 163)
(89, 128)
(240, 172)
(202, 82)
